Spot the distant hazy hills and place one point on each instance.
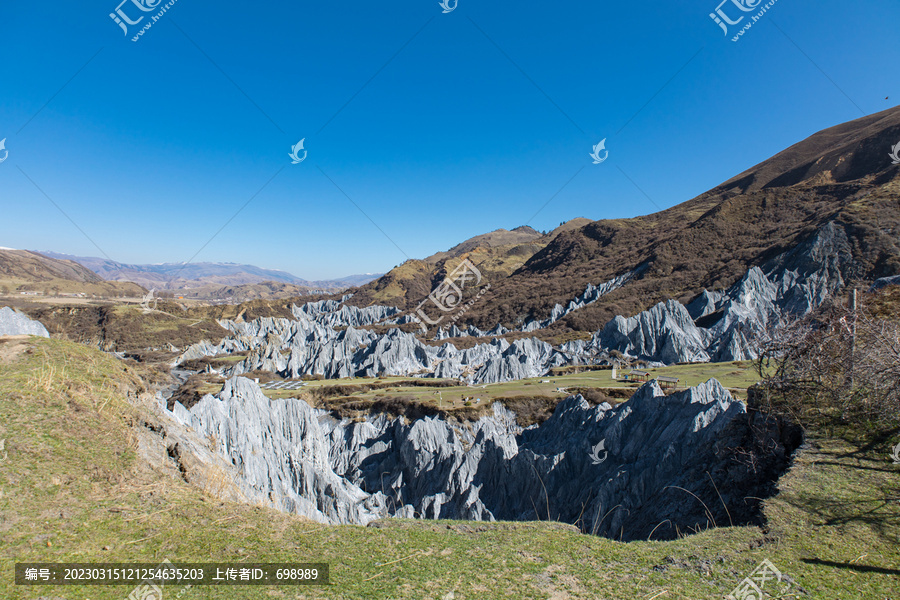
(32, 273)
(180, 276)
(27, 265)
(28, 273)
(842, 175)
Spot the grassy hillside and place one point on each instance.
(494, 239)
(497, 255)
(235, 294)
(76, 484)
(24, 264)
(127, 328)
(25, 271)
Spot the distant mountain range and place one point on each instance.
(180, 276)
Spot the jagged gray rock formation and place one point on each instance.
(12, 322)
(333, 313)
(361, 353)
(715, 326)
(721, 326)
(590, 295)
(198, 350)
(521, 360)
(452, 332)
(471, 331)
(302, 460)
(310, 345)
(705, 303)
(884, 282)
(666, 333)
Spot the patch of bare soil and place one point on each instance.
(11, 346)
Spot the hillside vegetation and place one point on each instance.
(25, 271)
(496, 255)
(85, 478)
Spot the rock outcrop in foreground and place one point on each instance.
(12, 322)
(625, 472)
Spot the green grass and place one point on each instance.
(736, 376)
(73, 485)
(228, 359)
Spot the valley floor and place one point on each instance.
(351, 397)
(76, 485)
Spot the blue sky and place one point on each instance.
(422, 128)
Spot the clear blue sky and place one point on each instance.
(438, 126)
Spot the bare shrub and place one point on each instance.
(839, 365)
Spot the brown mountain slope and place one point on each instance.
(501, 237)
(31, 266)
(841, 174)
(26, 271)
(842, 153)
(497, 254)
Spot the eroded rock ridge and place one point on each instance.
(621, 472)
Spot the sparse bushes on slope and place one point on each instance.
(836, 367)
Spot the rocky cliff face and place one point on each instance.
(665, 333)
(885, 281)
(626, 472)
(333, 313)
